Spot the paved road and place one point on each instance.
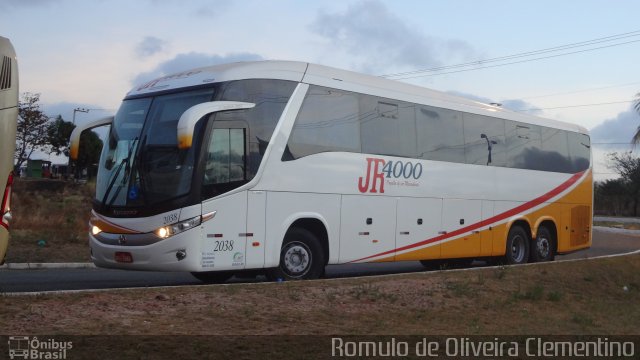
(627, 220)
(604, 243)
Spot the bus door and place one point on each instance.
(418, 220)
(225, 169)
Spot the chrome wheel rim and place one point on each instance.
(296, 259)
(543, 247)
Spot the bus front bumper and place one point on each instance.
(180, 252)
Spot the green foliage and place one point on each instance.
(533, 293)
(372, 293)
(32, 127)
(90, 148)
(620, 196)
(554, 296)
(58, 134)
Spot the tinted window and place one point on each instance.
(225, 157)
(554, 155)
(390, 130)
(440, 134)
(165, 170)
(335, 120)
(270, 97)
(580, 151)
(329, 120)
(166, 111)
(484, 141)
(523, 145)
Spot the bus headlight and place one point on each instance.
(95, 230)
(173, 229)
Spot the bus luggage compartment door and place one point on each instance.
(367, 226)
(419, 219)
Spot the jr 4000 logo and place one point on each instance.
(394, 172)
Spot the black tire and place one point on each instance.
(543, 248)
(301, 257)
(212, 277)
(517, 251)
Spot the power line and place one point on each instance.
(528, 53)
(517, 62)
(580, 91)
(406, 75)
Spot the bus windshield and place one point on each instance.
(140, 162)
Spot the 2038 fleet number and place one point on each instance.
(223, 245)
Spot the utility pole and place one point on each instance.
(78, 110)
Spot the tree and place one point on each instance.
(89, 151)
(32, 126)
(628, 167)
(635, 140)
(610, 197)
(58, 134)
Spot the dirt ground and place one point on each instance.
(583, 297)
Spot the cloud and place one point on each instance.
(192, 60)
(618, 130)
(65, 109)
(511, 104)
(212, 10)
(150, 46)
(207, 9)
(8, 4)
(381, 40)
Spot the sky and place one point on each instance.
(90, 53)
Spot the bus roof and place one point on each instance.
(339, 79)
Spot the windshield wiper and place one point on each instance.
(126, 161)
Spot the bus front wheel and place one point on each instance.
(517, 246)
(301, 257)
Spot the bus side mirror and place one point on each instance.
(189, 118)
(77, 131)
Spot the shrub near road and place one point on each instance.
(50, 221)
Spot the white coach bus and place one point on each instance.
(8, 123)
(290, 166)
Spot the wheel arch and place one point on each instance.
(313, 222)
(317, 227)
(522, 222)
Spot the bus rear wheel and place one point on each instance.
(301, 257)
(543, 248)
(517, 246)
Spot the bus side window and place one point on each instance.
(225, 160)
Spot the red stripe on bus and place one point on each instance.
(518, 209)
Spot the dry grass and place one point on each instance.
(586, 297)
(49, 221)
